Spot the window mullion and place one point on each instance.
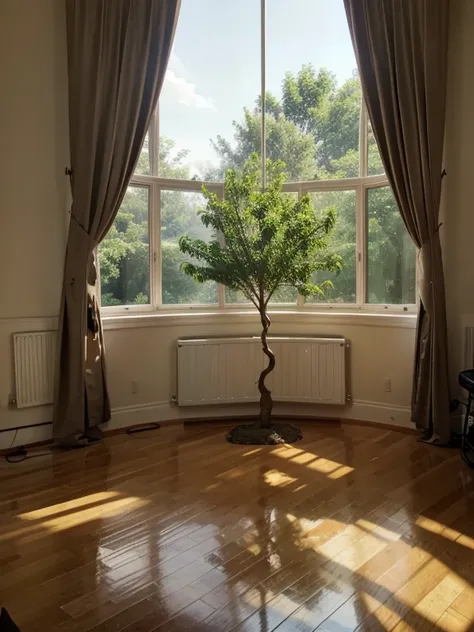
(361, 245)
(155, 237)
(221, 288)
(300, 300)
(153, 143)
(263, 146)
(363, 144)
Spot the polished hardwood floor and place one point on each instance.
(353, 528)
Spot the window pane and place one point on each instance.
(342, 242)
(283, 295)
(286, 294)
(179, 216)
(313, 90)
(391, 259)
(143, 165)
(232, 297)
(213, 74)
(124, 254)
(374, 166)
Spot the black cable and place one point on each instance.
(19, 454)
(152, 426)
(43, 423)
(12, 454)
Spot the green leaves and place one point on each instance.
(267, 238)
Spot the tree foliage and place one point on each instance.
(263, 239)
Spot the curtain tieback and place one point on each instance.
(429, 238)
(424, 272)
(78, 223)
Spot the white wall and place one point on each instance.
(34, 214)
(33, 187)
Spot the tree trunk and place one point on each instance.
(266, 402)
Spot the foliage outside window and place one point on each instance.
(210, 118)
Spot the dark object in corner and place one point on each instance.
(466, 380)
(256, 434)
(6, 623)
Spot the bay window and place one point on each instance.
(240, 81)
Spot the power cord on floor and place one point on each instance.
(152, 426)
(16, 455)
(20, 453)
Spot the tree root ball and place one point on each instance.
(255, 434)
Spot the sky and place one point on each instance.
(214, 68)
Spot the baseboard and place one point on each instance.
(384, 414)
(360, 411)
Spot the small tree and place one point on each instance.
(263, 239)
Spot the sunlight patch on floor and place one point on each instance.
(466, 541)
(437, 527)
(276, 478)
(303, 525)
(38, 514)
(312, 461)
(381, 612)
(382, 532)
(286, 451)
(447, 532)
(440, 598)
(61, 523)
(252, 452)
(340, 472)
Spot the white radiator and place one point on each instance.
(225, 370)
(35, 357)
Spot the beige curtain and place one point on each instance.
(401, 49)
(118, 52)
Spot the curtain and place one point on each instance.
(117, 57)
(401, 49)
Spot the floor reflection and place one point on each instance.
(353, 528)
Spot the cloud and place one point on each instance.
(175, 64)
(185, 91)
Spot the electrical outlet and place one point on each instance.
(388, 385)
(134, 387)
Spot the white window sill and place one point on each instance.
(242, 316)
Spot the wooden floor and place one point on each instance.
(354, 528)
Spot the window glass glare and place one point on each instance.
(342, 242)
(313, 91)
(391, 253)
(179, 216)
(212, 82)
(374, 161)
(124, 254)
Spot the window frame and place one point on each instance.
(360, 185)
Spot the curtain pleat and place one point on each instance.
(118, 53)
(401, 48)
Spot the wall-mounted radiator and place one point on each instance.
(225, 370)
(34, 357)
